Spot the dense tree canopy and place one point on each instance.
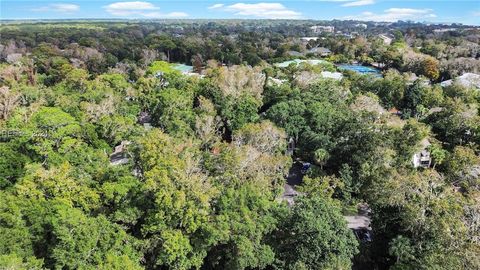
(112, 157)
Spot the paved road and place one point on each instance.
(361, 220)
(358, 222)
(294, 178)
(295, 175)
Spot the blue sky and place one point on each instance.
(467, 12)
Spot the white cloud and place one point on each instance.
(476, 13)
(164, 15)
(216, 6)
(262, 10)
(394, 14)
(140, 9)
(60, 7)
(176, 14)
(65, 7)
(359, 3)
(130, 8)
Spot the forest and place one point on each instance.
(112, 157)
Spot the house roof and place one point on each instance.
(319, 50)
(386, 39)
(294, 53)
(332, 75)
(144, 117)
(309, 38)
(394, 111)
(119, 156)
(470, 80)
(424, 143)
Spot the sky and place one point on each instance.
(446, 11)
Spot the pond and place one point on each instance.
(298, 61)
(183, 68)
(361, 69)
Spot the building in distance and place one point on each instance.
(318, 29)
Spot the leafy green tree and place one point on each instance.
(460, 167)
(413, 99)
(76, 80)
(174, 111)
(11, 165)
(120, 192)
(161, 66)
(113, 129)
(13, 261)
(321, 156)
(456, 124)
(118, 262)
(324, 120)
(238, 93)
(49, 128)
(204, 187)
(58, 184)
(240, 111)
(438, 154)
(290, 116)
(85, 242)
(16, 245)
(162, 43)
(244, 217)
(409, 139)
(402, 249)
(274, 94)
(390, 89)
(438, 238)
(314, 236)
(179, 197)
(323, 186)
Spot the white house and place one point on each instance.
(444, 30)
(332, 75)
(422, 158)
(320, 51)
(307, 39)
(361, 25)
(469, 80)
(317, 29)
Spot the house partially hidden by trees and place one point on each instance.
(321, 51)
(202, 183)
(308, 39)
(120, 156)
(295, 54)
(318, 29)
(469, 80)
(145, 119)
(387, 40)
(422, 158)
